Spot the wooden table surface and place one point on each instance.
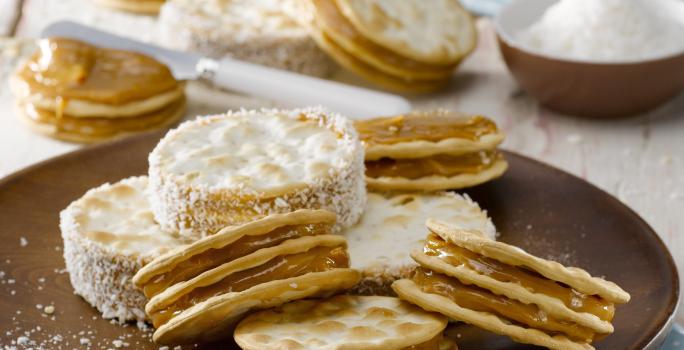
(638, 160)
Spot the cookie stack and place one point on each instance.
(264, 32)
(430, 151)
(109, 234)
(408, 46)
(501, 288)
(76, 92)
(199, 291)
(228, 169)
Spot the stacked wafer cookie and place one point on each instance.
(501, 288)
(260, 31)
(198, 292)
(430, 151)
(409, 46)
(77, 92)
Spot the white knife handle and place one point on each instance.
(297, 90)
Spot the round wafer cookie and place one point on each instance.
(108, 234)
(411, 292)
(432, 31)
(394, 224)
(227, 169)
(341, 322)
(259, 31)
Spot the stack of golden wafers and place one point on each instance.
(198, 292)
(76, 92)
(430, 151)
(501, 288)
(407, 46)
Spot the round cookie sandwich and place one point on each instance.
(342, 322)
(394, 224)
(409, 46)
(264, 32)
(227, 169)
(77, 92)
(198, 292)
(108, 234)
(430, 151)
(503, 289)
(147, 7)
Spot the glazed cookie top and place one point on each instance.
(393, 225)
(117, 216)
(246, 17)
(267, 152)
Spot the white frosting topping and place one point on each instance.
(394, 225)
(244, 18)
(267, 151)
(119, 217)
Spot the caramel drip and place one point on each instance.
(532, 281)
(317, 259)
(421, 126)
(329, 13)
(70, 69)
(478, 299)
(212, 258)
(442, 164)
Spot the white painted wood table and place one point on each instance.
(639, 160)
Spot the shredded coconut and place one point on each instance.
(608, 30)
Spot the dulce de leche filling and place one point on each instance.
(478, 299)
(317, 259)
(422, 126)
(530, 280)
(214, 257)
(69, 69)
(441, 164)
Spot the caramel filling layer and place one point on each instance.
(317, 259)
(441, 164)
(530, 280)
(70, 69)
(212, 258)
(331, 16)
(478, 299)
(415, 127)
(102, 126)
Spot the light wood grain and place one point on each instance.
(639, 160)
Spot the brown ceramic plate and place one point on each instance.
(539, 208)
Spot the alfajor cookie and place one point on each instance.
(147, 7)
(342, 322)
(259, 31)
(77, 92)
(410, 46)
(228, 169)
(206, 307)
(503, 289)
(108, 234)
(430, 151)
(394, 224)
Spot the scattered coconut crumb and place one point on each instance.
(23, 241)
(50, 309)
